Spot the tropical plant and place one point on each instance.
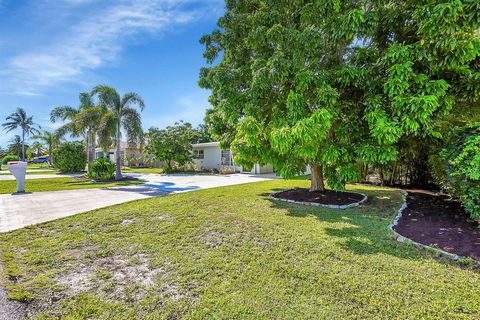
(457, 168)
(19, 119)
(9, 158)
(70, 157)
(50, 140)
(121, 116)
(103, 169)
(202, 133)
(83, 121)
(15, 146)
(172, 145)
(36, 148)
(328, 83)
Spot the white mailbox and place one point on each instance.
(18, 169)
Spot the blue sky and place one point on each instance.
(51, 50)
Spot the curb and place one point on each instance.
(314, 204)
(403, 239)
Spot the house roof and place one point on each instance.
(206, 144)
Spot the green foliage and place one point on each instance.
(202, 133)
(172, 145)
(20, 119)
(9, 158)
(120, 117)
(462, 164)
(70, 157)
(103, 169)
(334, 82)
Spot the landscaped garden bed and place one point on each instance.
(438, 221)
(327, 198)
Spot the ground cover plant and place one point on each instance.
(56, 184)
(232, 253)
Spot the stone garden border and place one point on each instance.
(314, 204)
(397, 236)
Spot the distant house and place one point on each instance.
(131, 156)
(209, 156)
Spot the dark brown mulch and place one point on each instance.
(435, 219)
(328, 197)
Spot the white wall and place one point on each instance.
(212, 158)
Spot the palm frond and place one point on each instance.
(131, 98)
(63, 113)
(132, 124)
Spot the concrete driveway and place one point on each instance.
(18, 211)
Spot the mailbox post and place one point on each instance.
(18, 169)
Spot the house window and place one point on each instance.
(198, 154)
(227, 158)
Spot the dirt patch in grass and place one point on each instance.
(327, 197)
(435, 219)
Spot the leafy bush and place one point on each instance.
(460, 165)
(103, 169)
(70, 157)
(9, 158)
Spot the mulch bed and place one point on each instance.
(327, 197)
(434, 219)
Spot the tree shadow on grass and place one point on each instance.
(364, 229)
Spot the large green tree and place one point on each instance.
(328, 83)
(172, 145)
(20, 119)
(121, 116)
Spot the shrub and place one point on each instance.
(103, 169)
(70, 157)
(460, 165)
(9, 158)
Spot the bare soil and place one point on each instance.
(327, 197)
(436, 220)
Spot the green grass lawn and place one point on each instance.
(43, 165)
(39, 171)
(230, 253)
(142, 170)
(55, 184)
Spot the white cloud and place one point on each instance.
(94, 40)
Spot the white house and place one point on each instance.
(131, 156)
(209, 156)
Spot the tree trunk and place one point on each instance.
(91, 154)
(23, 145)
(118, 173)
(50, 155)
(317, 183)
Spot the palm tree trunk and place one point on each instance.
(23, 145)
(89, 149)
(118, 173)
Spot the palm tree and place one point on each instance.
(49, 139)
(36, 148)
(19, 119)
(15, 146)
(121, 115)
(82, 121)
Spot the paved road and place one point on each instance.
(18, 211)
